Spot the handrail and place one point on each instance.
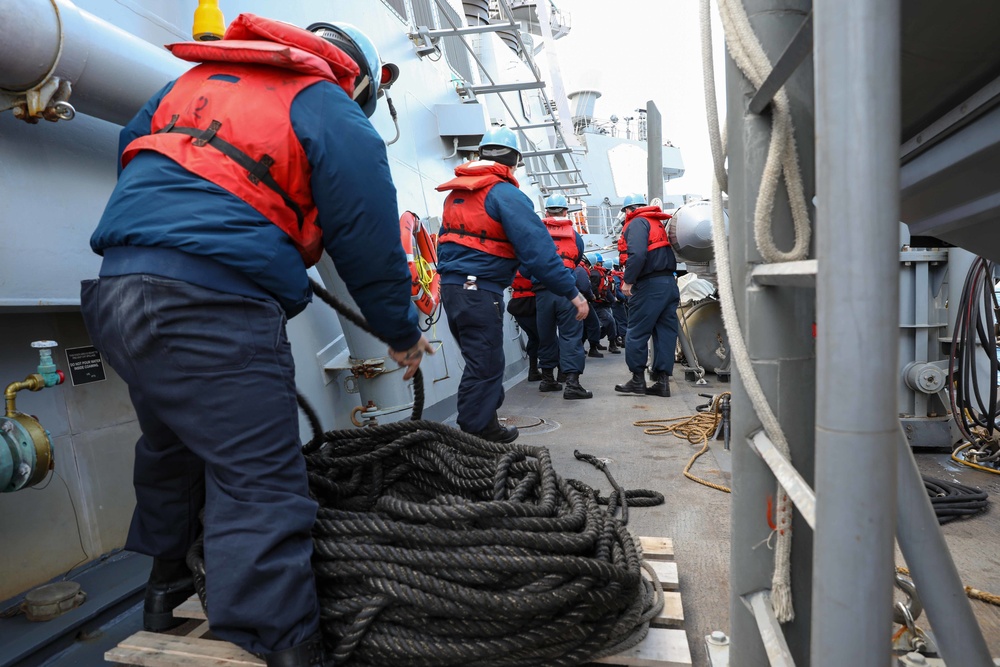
(529, 61)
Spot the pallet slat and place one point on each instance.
(666, 572)
(660, 648)
(190, 608)
(672, 615)
(149, 649)
(657, 548)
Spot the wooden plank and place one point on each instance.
(666, 572)
(148, 649)
(190, 608)
(657, 548)
(672, 615)
(203, 628)
(660, 648)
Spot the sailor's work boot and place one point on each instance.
(594, 353)
(574, 389)
(548, 383)
(637, 385)
(497, 433)
(533, 374)
(613, 347)
(661, 384)
(307, 654)
(170, 583)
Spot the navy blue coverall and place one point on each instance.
(559, 331)
(475, 317)
(652, 308)
(190, 309)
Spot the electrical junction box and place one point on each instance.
(465, 122)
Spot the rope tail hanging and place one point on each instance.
(433, 547)
(782, 158)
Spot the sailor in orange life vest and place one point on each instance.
(559, 332)
(233, 180)
(522, 305)
(650, 284)
(488, 228)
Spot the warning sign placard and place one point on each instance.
(85, 365)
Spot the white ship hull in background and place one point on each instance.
(464, 66)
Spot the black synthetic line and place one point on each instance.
(433, 547)
(952, 500)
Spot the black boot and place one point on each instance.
(613, 347)
(307, 654)
(497, 433)
(170, 583)
(660, 386)
(599, 346)
(533, 374)
(637, 385)
(574, 389)
(594, 353)
(548, 383)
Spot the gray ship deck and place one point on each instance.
(696, 517)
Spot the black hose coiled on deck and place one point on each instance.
(433, 547)
(952, 500)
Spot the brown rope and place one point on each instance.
(696, 429)
(973, 593)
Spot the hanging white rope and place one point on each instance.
(781, 590)
(782, 154)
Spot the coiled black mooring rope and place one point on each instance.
(433, 547)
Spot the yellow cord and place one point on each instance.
(954, 457)
(697, 428)
(425, 275)
(973, 593)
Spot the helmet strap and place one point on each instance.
(361, 87)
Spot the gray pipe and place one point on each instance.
(857, 168)
(113, 73)
(956, 630)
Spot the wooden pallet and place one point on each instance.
(665, 646)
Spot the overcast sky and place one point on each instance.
(638, 50)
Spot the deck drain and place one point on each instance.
(529, 424)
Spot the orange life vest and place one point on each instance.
(238, 135)
(561, 231)
(522, 287)
(465, 220)
(655, 216)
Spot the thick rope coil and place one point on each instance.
(433, 547)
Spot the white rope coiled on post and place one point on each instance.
(781, 591)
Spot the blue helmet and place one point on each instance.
(594, 258)
(500, 145)
(556, 201)
(362, 50)
(634, 199)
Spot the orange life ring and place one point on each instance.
(424, 279)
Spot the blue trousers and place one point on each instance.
(607, 320)
(212, 381)
(620, 311)
(529, 326)
(592, 326)
(475, 318)
(652, 311)
(559, 333)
